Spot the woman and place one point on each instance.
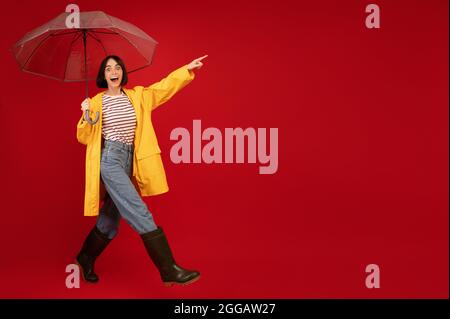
(123, 163)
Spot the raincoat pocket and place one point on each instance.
(151, 176)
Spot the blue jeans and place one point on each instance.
(122, 198)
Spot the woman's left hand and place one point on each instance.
(196, 64)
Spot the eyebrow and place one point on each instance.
(111, 65)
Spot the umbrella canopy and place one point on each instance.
(74, 54)
(55, 51)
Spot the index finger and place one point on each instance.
(199, 59)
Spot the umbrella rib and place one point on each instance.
(95, 38)
(98, 40)
(119, 34)
(75, 38)
(131, 43)
(140, 68)
(148, 63)
(34, 50)
(39, 45)
(68, 53)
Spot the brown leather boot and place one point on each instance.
(158, 249)
(93, 246)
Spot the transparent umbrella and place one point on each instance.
(73, 54)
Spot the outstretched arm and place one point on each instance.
(160, 92)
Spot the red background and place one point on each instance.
(363, 154)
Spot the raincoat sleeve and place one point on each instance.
(160, 92)
(84, 130)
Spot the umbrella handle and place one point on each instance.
(88, 119)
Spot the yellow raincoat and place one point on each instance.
(148, 174)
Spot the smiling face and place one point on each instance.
(113, 73)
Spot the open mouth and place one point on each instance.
(114, 79)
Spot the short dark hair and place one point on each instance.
(101, 81)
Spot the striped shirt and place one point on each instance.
(119, 119)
